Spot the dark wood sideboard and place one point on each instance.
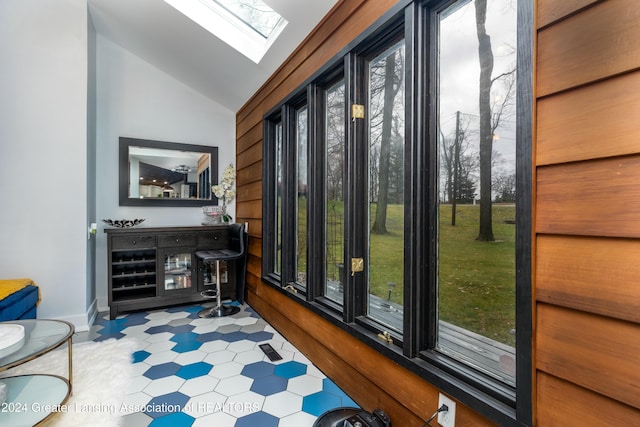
(157, 267)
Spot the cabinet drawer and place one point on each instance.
(133, 241)
(214, 239)
(176, 240)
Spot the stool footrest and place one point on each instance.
(209, 293)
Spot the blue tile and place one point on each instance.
(194, 370)
(234, 336)
(140, 356)
(261, 419)
(291, 369)
(209, 336)
(269, 385)
(166, 404)
(331, 387)
(177, 419)
(182, 329)
(184, 347)
(158, 329)
(184, 337)
(258, 370)
(347, 401)
(136, 319)
(260, 336)
(112, 327)
(162, 370)
(109, 336)
(320, 402)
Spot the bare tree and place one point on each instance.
(392, 83)
(490, 116)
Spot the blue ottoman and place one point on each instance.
(20, 305)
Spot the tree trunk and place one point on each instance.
(380, 223)
(485, 55)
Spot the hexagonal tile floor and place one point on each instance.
(204, 372)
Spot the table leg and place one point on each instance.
(70, 357)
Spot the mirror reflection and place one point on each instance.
(166, 173)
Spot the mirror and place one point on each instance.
(158, 173)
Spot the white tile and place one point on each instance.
(160, 346)
(241, 346)
(246, 321)
(304, 385)
(134, 402)
(282, 404)
(138, 384)
(199, 385)
(226, 370)
(161, 357)
(299, 419)
(190, 357)
(164, 386)
(205, 404)
(229, 320)
(157, 321)
(219, 357)
(234, 385)
(251, 356)
(161, 337)
(299, 357)
(313, 370)
(205, 328)
(139, 368)
(213, 346)
(158, 314)
(137, 331)
(244, 404)
(218, 419)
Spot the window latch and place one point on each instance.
(291, 288)
(385, 336)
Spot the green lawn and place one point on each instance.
(476, 279)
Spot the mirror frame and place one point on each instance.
(123, 160)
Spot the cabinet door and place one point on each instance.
(177, 271)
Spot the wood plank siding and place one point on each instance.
(587, 156)
(586, 221)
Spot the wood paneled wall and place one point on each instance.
(587, 258)
(370, 378)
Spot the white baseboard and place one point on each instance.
(82, 323)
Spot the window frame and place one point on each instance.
(498, 401)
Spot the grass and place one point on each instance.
(476, 279)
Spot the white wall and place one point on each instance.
(137, 100)
(43, 151)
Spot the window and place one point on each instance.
(334, 157)
(402, 223)
(249, 26)
(301, 199)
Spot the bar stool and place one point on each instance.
(235, 251)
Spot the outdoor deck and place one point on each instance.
(493, 357)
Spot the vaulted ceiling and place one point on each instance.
(162, 36)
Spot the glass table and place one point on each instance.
(32, 399)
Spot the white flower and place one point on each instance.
(224, 190)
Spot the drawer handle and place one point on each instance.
(177, 239)
(133, 242)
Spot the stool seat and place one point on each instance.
(219, 254)
(214, 256)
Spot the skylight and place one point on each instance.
(249, 26)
